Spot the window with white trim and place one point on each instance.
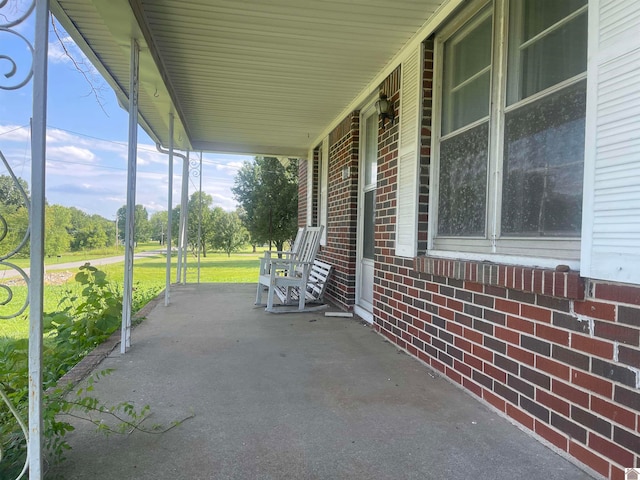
(323, 178)
(509, 130)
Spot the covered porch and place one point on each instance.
(292, 396)
(549, 340)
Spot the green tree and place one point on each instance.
(229, 234)
(14, 211)
(193, 214)
(141, 223)
(194, 224)
(158, 226)
(90, 231)
(56, 238)
(267, 190)
(10, 194)
(175, 225)
(17, 224)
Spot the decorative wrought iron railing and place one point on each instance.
(13, 76)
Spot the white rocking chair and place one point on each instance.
(281, 276)
(265, 261)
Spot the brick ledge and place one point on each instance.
(527, 279)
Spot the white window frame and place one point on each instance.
(309, 188)
(323, 180)
(547, 251)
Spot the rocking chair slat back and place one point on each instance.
(292, 273)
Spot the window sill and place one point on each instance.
(527, 279)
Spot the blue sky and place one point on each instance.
(87, 143)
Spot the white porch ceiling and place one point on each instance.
(245, 76)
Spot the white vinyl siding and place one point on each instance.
(310, 188)
(408, 154)
(324, 185)
(611, 221)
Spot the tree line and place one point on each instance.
(266, 190)
(66, 228)
(219, 230)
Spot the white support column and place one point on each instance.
(185, 218)
(200, 217)
(167, 288)
(182, 223)
(129, 239)
(36, 223)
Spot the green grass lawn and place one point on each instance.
(148, 273)
(19, 327)
(85, 255)
(216, 267)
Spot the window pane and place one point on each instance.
(463, 183)
(368, 239)
(543, 165)
(554, 56)
(468, 104)
(371, 150)
(467, 73)
(541, 14)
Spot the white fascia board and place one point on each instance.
(441, 14)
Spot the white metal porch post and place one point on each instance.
(200, 216)
(129, 240)
(185, 218)
(167, 293)
(36, 264)
(181, 222)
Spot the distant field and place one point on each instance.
(147, 273)
(84, 255)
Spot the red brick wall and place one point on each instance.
(340, 250)
(525, 341)
(387, 171)
(556, 353)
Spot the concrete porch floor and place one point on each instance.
(292, 396)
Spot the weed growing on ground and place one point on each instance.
(85, 317)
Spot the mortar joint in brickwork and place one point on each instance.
(637, 372)
(585, 319)
(570, 284)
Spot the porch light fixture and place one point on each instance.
(385, 109)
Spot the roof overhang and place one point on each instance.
(251, 77)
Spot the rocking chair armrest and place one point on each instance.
(266, 262)
(271, 253)
(286, 266)
(287, 263)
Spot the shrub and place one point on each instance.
(85, 317)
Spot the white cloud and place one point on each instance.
(56, 52)
(14, 133)
(231, 167)
(70, 153)
(55, 136)
(90, 173)
(147, 155)
(154, 176)
(224, 201)
(119, 200)
(63, 50)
